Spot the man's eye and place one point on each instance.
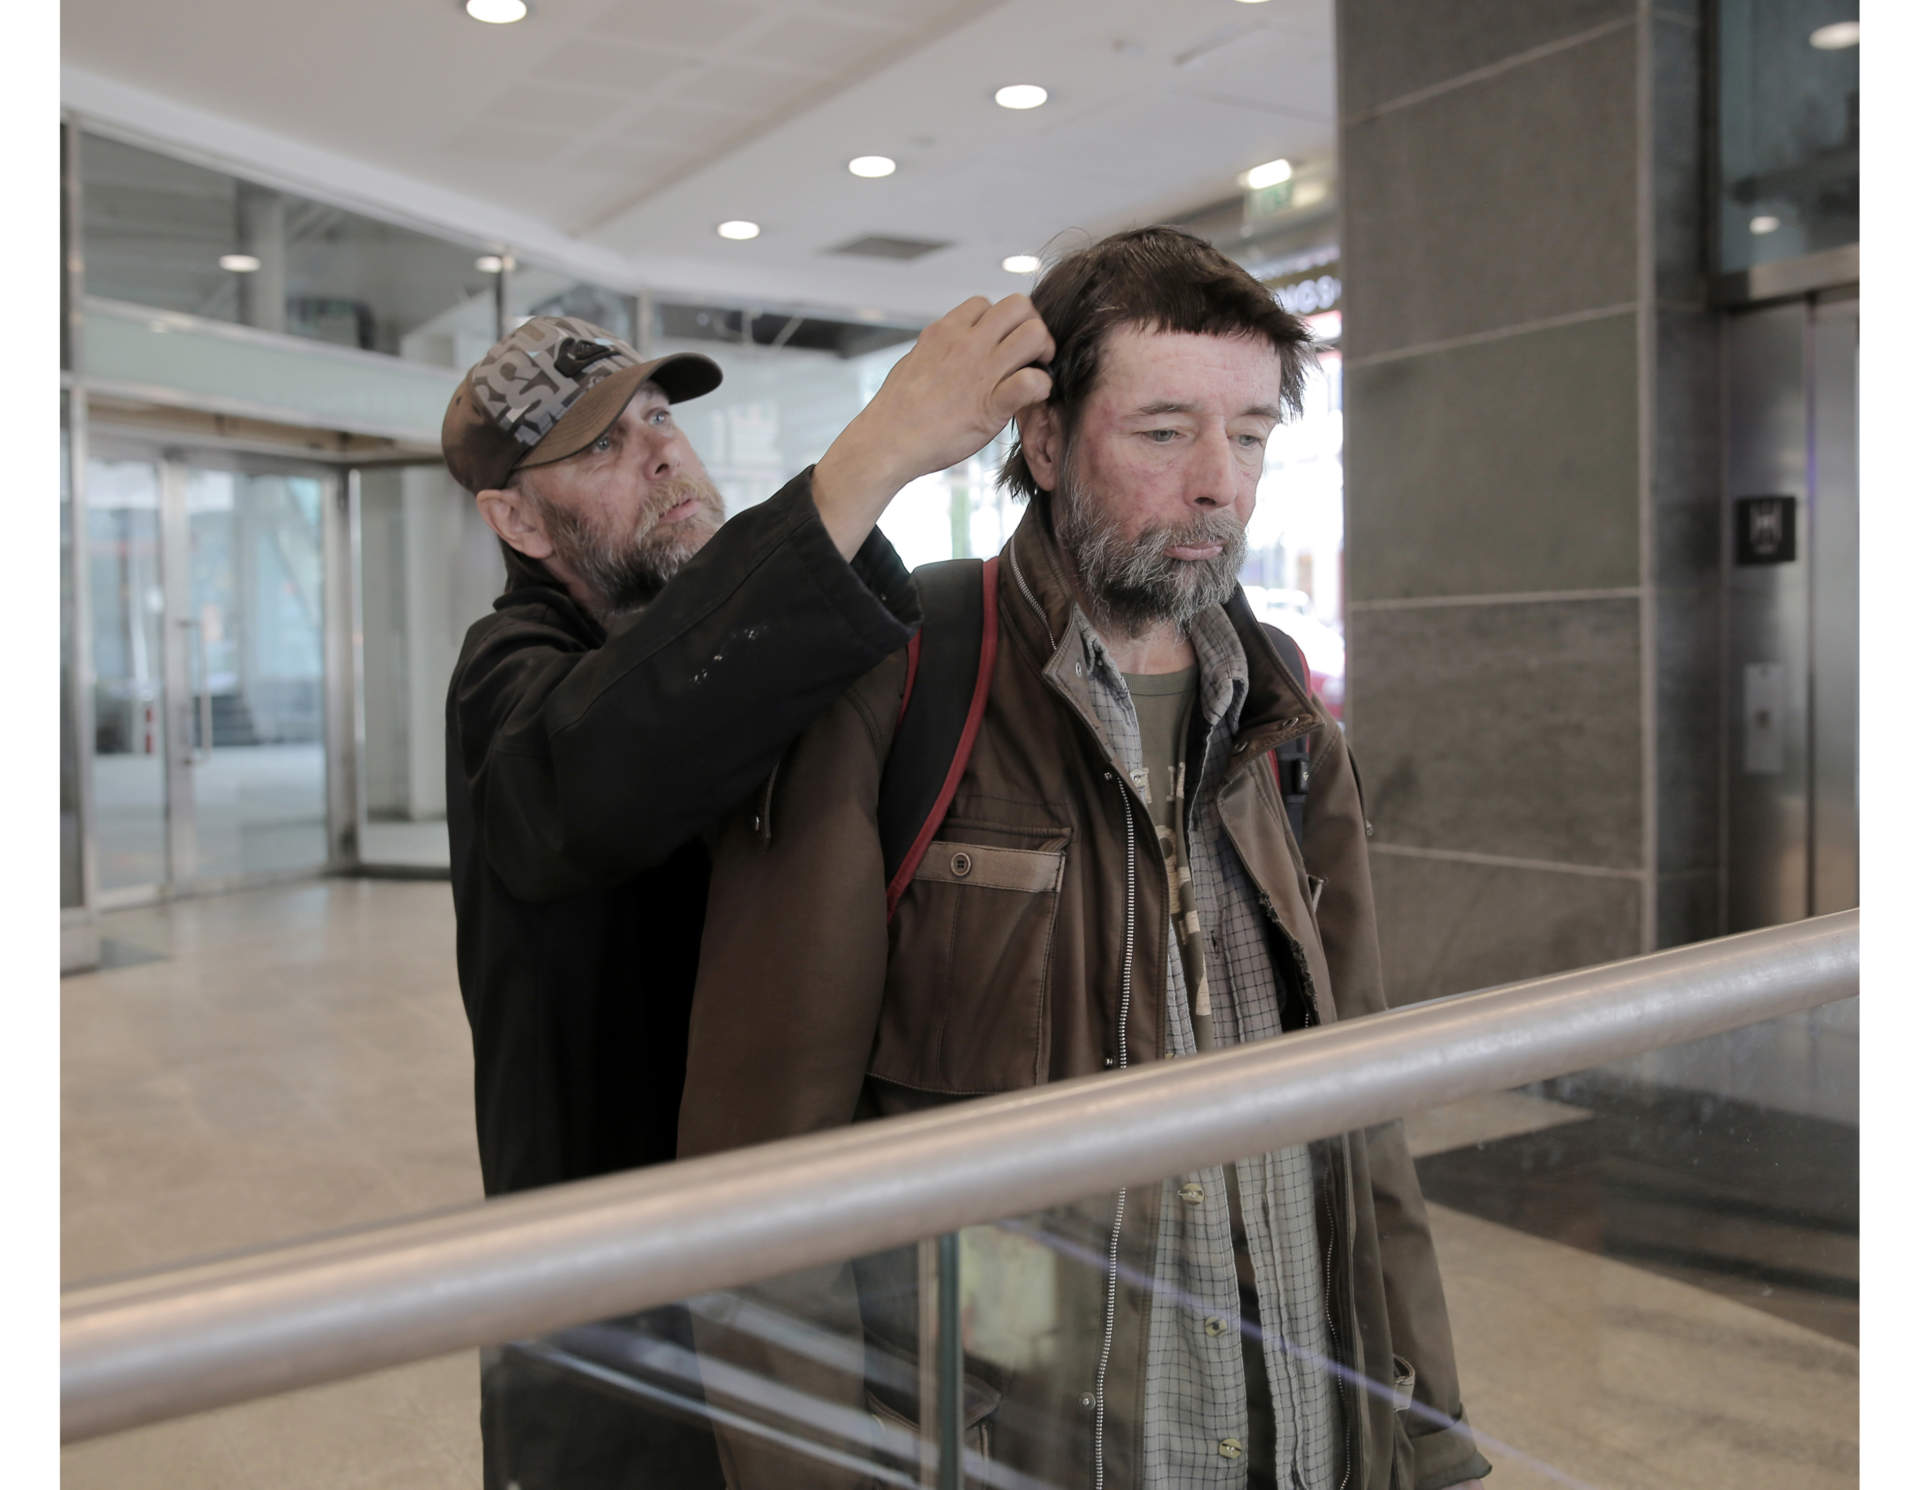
(1161, 436)
(603, 444)
(661, 416)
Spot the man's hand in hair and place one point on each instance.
(968, 374)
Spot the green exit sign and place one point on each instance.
(1269, 201)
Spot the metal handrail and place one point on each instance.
(165, 1344)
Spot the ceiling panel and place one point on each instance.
(710, 25)
(617, 66)
(631, 127)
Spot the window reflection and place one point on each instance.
(1789, 130)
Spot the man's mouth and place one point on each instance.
(679, 510)
(1195, 550)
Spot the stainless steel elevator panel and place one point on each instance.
(1792, 819)
(1834, 551)
(1766, 626)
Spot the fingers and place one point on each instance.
(969, 312)
(1000, 321)
(1028, 342)
(1017, 391)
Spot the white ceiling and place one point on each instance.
(612, 136)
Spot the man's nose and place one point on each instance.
(665, 455)
(1213, 473)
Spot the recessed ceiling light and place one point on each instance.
(1765, 223)
(738, 229)
(1019, 263)
(239, 263)
(1270, 174)
(871, 166)
(490, 263)
(1253, 2)
(497, 12)
(1837, 37)
(1020, 96)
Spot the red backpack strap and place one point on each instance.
(913, 669)
(989, 647)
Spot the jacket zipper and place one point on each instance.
(1120, 1205)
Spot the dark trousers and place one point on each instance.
(610, 1407)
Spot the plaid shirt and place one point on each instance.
(1196, 1418)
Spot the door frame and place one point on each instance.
(339, 665)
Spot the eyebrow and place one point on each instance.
(1173, 406)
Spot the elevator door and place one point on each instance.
(209, 662)
(1793, 818)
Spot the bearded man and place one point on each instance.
(1115, 882)
(644, 667)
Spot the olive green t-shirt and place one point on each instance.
(1164, 702)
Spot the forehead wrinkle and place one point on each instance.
(1176, 406)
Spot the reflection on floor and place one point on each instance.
(257, 809)
(294, 1060)
(1757, 1205)
(406, 845)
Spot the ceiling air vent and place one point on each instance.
(880, 246)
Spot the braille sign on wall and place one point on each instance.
(1763, 530)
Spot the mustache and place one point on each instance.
(1219, 526)
(671, 492)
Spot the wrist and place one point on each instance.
(858, 473)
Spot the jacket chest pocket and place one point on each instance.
(968, 980)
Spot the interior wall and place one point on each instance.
(1531, 492)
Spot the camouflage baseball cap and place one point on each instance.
(548, 389)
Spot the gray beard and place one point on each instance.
(627, 574)
(1132, 585)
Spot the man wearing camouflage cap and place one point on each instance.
(642, 671)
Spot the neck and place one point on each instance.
(1162, 648)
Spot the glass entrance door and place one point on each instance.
(254, 627)
(209, 651)
(129, 644)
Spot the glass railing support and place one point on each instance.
(162, 1345)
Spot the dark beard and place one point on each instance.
(1133, 585)
(628, 574)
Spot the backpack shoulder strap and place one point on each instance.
(949, 669)
(1292, 761)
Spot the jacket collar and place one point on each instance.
(1041, 607)
(529, 582)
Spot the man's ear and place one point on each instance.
(513, 516)
(1039, 426)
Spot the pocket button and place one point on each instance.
(962, 865)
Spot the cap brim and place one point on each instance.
(680, 376)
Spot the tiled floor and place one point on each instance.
(273, 1064)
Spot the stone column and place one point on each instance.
(1531, 458)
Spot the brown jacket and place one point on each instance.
(1002, 969)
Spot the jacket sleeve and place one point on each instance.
(1336, 847)
(792, 968)
(584, 766)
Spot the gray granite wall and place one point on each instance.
(1532, 523)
